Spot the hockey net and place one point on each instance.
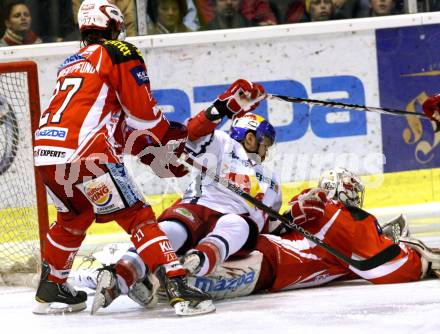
(23, 205)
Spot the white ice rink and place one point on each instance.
(346, 307)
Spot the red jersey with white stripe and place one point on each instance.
(296, 262)
(99, 91)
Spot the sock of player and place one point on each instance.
(228, 236)
(129, 269)
(155, 249)
(60, 250)
(211, 252)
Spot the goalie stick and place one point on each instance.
(380, 258)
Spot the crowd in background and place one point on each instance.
(28, 22)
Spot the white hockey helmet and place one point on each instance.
(343, 185)
(99, 15)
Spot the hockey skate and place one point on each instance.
(396, 228)
(430, 256)
(53, 298)
(185, 299)
(193, 261)
(107, 289)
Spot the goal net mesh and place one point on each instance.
(19, 233)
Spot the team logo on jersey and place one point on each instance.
(98, 193)
(140, 75)
(185, 213)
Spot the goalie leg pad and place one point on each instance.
(231, 279)
(430, 256)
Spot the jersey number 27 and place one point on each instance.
(71, 85)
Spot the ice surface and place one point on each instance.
(346, 307)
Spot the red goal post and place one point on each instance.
(23, 199)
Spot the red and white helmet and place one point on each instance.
(343, 185)
(99, 14)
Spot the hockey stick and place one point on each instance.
(346, 106)
(380, 258)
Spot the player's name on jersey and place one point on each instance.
(81, 67)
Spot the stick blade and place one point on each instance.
(377, 260)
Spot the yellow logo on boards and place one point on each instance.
(413, 134)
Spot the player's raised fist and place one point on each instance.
(431, 107)
(308, 206)
(240, 97)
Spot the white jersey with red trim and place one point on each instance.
(99, 90)
(227, 157)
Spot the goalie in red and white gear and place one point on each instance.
(101, 108)
(291, 261)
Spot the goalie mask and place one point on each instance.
(255, 123)
(341, 184)
(101, 15)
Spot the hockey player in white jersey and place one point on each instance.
(209, 223)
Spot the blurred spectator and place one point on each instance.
(53, 20)
(191, 19)
(128, 9)
(227, 15)
(381, 8)
(318, 10)
(347, 9)
(288, 11)
(259, 12)
(2, 18)
(18, 22)
(279, 8)
(167, 17)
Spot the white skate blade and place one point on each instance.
(104, 282)
(185, 309)
(58, 308)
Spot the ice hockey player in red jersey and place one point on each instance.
(101, 101)
(286, 261)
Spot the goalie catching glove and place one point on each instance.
(240, 97)
(308, 206)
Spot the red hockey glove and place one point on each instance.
(240, 97)
(308, 206)
(431, 108)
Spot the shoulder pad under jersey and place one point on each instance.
(121, 52)
(357, 213)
